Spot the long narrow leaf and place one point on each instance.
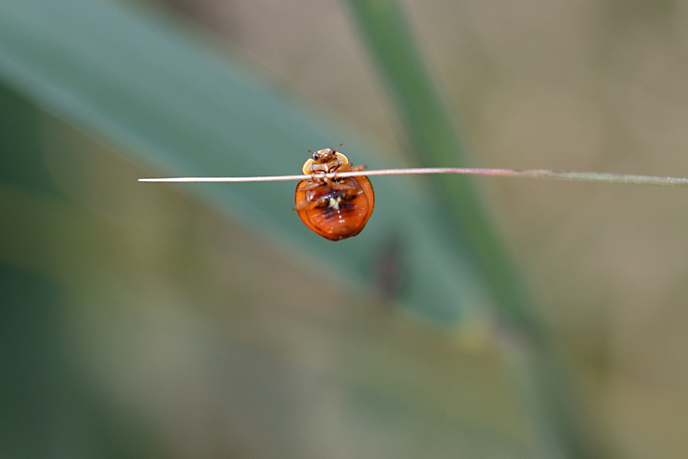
(139, 82)
(433, 136)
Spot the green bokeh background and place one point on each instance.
(141, 320)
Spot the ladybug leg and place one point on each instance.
(310, 186)
(348, 167)
(306, 205)
(318, 178)
(344, 167)
(346, 185)
(311, 202)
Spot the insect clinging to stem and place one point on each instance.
(332, 207)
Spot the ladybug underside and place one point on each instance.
(333, 208)
(337, 210)
(330, 199)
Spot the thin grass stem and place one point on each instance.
(530, 173)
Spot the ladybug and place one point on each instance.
(335, 208)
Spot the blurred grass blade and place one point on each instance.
(139, 82)
(435, 143)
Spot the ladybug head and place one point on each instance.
(325, 160)
(324, 156)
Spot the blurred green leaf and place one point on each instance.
(139, 81)
(547, 394)
(432, 135)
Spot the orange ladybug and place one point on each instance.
(334, 208)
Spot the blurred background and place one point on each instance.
(142, 320)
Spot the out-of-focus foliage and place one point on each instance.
(183, 112)
(139, 321)
(135, 82)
